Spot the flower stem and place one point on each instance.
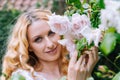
(111, 62)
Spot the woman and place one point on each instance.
(34, 53)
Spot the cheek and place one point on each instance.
(55, 40)
(38, 48)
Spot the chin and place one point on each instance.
(54, 58)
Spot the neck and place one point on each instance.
(51, 70)
(51, 67)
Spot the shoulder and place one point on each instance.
(26, 75)
(20, 73)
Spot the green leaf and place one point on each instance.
(99, 74)
(108, 44)
(111, 30)
(92, 1)
(79, 54)
(17, 77)
(81, 44)
(117, 60)
(117, 76)
(101, 4)
(72, 1)
(117, 36)
(76, 3)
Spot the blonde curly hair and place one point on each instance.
(17, 54)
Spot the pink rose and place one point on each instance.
(79, 22)
(59, 24)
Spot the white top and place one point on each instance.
(27, 75)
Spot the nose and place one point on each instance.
(49, 43)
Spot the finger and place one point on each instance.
(95, 53)
(83, 66)
(90, 59)
(73, 58)
(79, 62)
(89, 54)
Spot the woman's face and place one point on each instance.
(43, 42)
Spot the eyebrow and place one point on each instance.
(41, 35)
(34, 37)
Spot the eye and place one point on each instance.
(38, 39)
(51, 33)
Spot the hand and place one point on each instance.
(91, 59)
(76, 68)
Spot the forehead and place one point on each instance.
(38, 27)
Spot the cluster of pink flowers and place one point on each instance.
(75, 27)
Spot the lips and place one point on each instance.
(52, 51)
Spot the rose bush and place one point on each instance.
(92, 23)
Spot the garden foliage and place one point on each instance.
(101, 16)
(7, 19)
